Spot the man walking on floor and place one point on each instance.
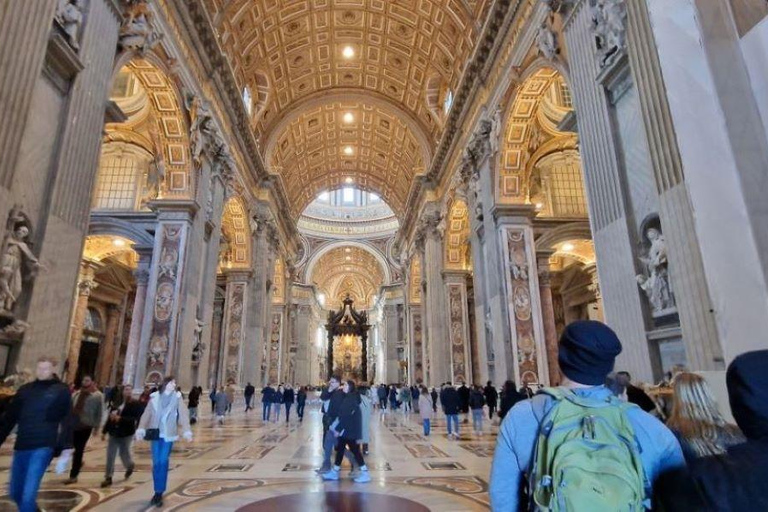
(42, 410)
(88, 409)
(121, 425)
(248, 393)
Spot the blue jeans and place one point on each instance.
(477, 419)
(161, 454)
(329, 442)
(426, 426)
(265, 406)
(27, 472)
(455, 419)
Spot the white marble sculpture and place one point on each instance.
(69, 14)
(609, 19)
(137, 33)
(17, 263)
(655, 281)
(546, 41)
(155, 177)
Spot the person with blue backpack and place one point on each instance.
(578, 447)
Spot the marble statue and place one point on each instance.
(546, 41)
(155, 177)
(69, 14)
(609, 25)
(655, 281)
(137, 33)
(199, 346)
(17, 263)
(495, 134)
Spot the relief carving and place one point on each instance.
(137, 32)
(609, 24)
(69, 16)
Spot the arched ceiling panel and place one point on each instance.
(327, 145)
(348, 270)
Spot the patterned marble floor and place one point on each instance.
(249, 465)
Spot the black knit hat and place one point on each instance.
(587, 352)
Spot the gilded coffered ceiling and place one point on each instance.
(347, 142)
(348, 270)
(306, 63)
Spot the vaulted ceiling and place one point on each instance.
(306, 63)
(348, 270)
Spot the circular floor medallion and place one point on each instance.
(336, 501)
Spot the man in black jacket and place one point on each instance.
(267, 395)
(121, 426)
(464, 401)
(288, 399)
(491, 398)
(41, 409)
(449, 397)
(332, 397)
(248, 393)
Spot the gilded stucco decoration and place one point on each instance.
(278, 282)
(236, 229)
(348, 270)
(102, 247)
(531, 133)
(414, 280)
(326, 146)
(457, 248)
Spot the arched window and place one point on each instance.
(122, 178)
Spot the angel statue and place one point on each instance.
(16, 254)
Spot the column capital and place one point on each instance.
(174, 209)
(237, 275)
(85, 286)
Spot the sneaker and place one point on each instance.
(107, 482)
(322, 470)
(333, 474)
(129, 472)
(157, 500)
(354, 473)
(364, 477)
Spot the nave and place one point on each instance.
(252, 466)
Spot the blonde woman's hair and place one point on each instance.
(696, 417)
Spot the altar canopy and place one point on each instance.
(348, 342)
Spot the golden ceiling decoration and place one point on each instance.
(456, 237)
(415, 280)
(324, 146)
(102, 247)
(302, 60)
(539, 104)
(237, 231)
(278, 282)
(348, 270)
(570, 251)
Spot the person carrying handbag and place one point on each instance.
(164, 416)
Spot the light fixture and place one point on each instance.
(348, 117)
(348, 258)
(568, 247)
(118, 242)
(348, 151)
(348, 52)
(347, 250)
(539, 206)
(349, 180)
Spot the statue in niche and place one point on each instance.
(137, 33)
(155, 177)
(655, 280)
(199, 346)
(69, 15)
(609, 25)
(18, 263)
(546, 40)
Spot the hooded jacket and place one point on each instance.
(734, 481)
(40, 409)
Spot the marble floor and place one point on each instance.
(249, 465)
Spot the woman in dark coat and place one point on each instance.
(348, 428)
(509, 397)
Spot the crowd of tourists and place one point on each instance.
(596, 442)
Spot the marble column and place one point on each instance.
(522, 292)
(162, 312)
(458, 330)
(430, 236)
(108, 346)
(392, 364)
(236, 305)
(85, 286)
(214, 351)
(141, 275)
(303, 341)
(548, 315)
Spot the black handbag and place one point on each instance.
(152, 434)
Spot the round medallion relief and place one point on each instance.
(338, 501)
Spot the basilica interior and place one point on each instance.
(395, 191)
